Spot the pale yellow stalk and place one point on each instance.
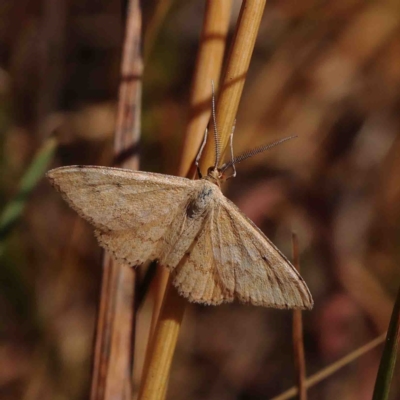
(155, 376)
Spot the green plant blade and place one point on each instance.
(35, 172)
(388, 360)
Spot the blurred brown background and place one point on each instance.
(327, 71)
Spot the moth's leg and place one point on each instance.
(200, 152)
(216, 136)
(231, 147)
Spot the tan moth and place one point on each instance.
(215, 253)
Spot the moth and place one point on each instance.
(215, 253)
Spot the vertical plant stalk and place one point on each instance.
(208, 69)
(234, 76)
(389, 355)
(298, 345)
(155, 377)
(114, 343)
(154, 25)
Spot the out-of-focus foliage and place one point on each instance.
(328, 72)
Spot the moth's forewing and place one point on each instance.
(131, 210)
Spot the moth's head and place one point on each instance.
(215, 175)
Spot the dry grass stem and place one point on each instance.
(162, 344)
(298, 345)
(156, 373)
(153, 27)
(155, 378)
(331, 369)
(208, 67)
(234, 75)
(113, 360)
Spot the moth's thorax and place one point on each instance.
(202, 198)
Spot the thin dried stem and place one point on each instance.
(162, 345)
(298, 346)
(153, 27)
(208, 69)
(156, 373)
(331, 369)
(113, 358)
(235, 75)
(155, 377)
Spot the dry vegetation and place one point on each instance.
(328, 72)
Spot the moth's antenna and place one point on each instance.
(214, 118)
(251, 153)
